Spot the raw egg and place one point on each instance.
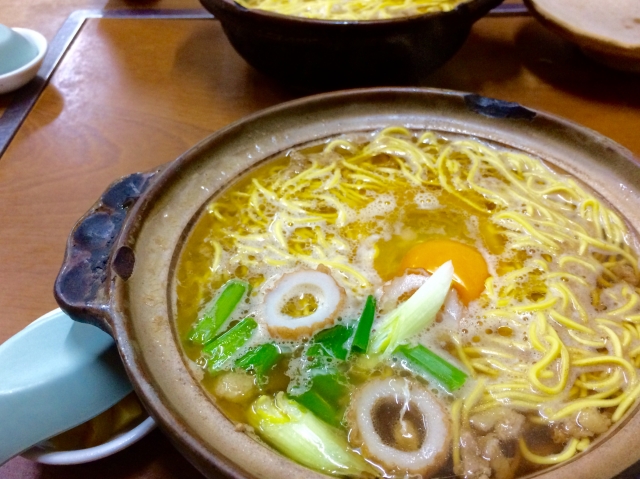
(469, 267)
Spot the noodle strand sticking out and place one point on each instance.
(531, 356)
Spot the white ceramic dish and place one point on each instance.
(608, 31)
(17, 78)
(45, 455)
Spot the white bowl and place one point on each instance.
(15, 79)
(44, 455)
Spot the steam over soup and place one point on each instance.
(352, 9)
(404, 302)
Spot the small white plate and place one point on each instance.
(120, 441)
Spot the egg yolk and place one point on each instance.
(469, 267)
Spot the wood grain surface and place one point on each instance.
(46, 16)
(132, 94)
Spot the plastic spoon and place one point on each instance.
(55, 374)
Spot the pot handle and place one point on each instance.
(81, 288)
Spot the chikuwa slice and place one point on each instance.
(400, 425)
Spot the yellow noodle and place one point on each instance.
(556, 349)
(612, 382)
(631, 303)
(533, 399)
(593, 361)
(568, 452)
(503, 386)
(578, 405)
(572, 298)
(483, 368)
(626, 403)
(583, 444)
(615, 340)
(574, 259)
(587, 342)
(217, 255)
(455, 432)
(569, 323)
(462, 355)
(472, 399)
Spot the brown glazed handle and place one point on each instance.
(81, 288)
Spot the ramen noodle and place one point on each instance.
(351, 9)
(413, 303)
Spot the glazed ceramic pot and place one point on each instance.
(118, 272)
(325, 54)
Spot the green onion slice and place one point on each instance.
(213, 319)
(221, 349)
(414, 314)
(361, 338)
(260, 360)
(425, 362)
(320, 406)
(332, 342)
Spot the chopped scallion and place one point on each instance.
(323, 392)
(320, 406)
(206, 329)
(361, 338)
(221, 349)
(325, 387)
(414, 314)
(423, 361)
(332, 342)
(260, 360)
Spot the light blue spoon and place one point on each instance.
(55, 374)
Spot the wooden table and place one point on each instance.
(133, 92)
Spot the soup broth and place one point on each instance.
(400, 302)
(352, 9)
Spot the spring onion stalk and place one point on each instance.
(321, 407)
(206, 329)
(260, 360)
(425, 362)
(297, 433)
(332, 386)
(325, 386)
(324, 397)
(220, 350)
(332, 342)
(413, 315)
(361, 338)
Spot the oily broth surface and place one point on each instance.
(539, 298)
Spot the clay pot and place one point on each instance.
(118, 273)
(325, 54)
